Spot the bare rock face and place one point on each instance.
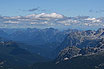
(82, 39)
(73, 51)
(68, 53)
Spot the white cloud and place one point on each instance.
(52, 19)
(90, 19)
(45, 15)
(12, 22)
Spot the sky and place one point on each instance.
(93, 8)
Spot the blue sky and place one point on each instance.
(93, 8)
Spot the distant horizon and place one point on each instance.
(56, 28)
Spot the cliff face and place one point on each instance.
(82, 39)
(72, 51)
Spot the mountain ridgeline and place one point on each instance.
(40, 41)
(82, 39)
(79, 50)
(51, 49)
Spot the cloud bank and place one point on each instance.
(55, 20)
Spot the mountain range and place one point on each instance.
(37, 40)
(79, 50)
(51, 48)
